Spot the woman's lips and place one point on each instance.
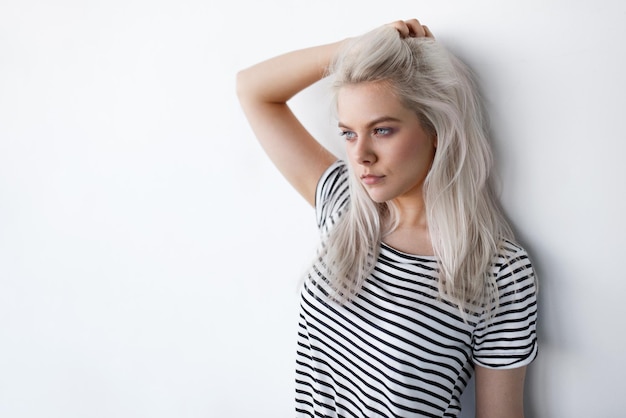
(371, 179)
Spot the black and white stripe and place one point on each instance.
(397, 350)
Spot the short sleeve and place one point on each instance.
(507, 338)
(331, 195)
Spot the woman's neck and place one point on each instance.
(411, 213)
(411, 234)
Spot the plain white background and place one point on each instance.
(150, 254)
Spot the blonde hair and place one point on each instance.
(465, 224)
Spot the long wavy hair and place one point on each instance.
(465, 223)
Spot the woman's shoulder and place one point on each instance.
(509, 249)
(332, 193)
(512, 267)
(335, 176)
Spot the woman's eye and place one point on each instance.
(382, 131)
(348, 134)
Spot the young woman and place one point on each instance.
(418, 283)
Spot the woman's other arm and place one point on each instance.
(500, 393)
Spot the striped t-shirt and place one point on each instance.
(396, 350)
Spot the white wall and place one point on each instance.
(150, 254)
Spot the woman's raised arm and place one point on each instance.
(263, 92)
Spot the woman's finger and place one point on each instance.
(401, 27)
(429, 34)
(416, 30)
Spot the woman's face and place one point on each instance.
(386, 145)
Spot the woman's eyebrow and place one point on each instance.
(373, 122)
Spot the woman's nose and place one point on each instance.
(363, 152)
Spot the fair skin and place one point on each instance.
(381, 137)
(392, 153)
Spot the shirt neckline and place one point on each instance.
(389, 249)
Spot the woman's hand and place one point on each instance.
(411, 28)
